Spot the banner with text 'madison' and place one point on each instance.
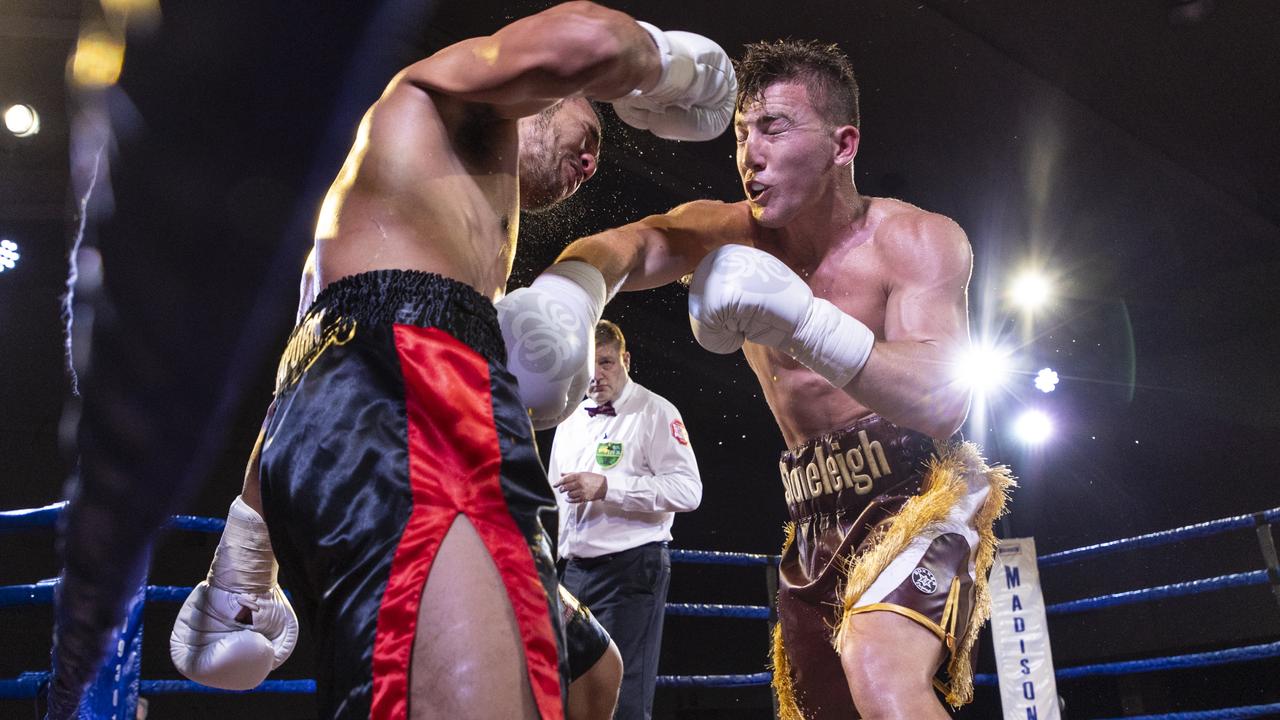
(1024, 663)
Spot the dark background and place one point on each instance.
(1130, 150)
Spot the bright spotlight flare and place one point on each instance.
(8, 255)
(22, 120)
(1033, 427)
(983, 368)
(1030, 291)
(1046, 380)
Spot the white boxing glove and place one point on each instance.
(695, 95)
(236, 626)
(740, 293)
(549, 329)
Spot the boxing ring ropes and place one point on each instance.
(119, 683)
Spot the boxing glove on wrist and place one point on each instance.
(739, 293)
(549, 330)
(695, 95)
(236, 626)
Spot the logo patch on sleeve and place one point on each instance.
(678, 432)
(924, 580)
(608, 454)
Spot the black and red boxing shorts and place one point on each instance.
(843, 491)
(394, 412)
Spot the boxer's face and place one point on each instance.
(786, 152)
(558, 152)
(610, 375)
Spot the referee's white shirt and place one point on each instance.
(644, 452)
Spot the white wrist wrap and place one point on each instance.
(584, 278)
(676, 77)
(832, 343)
(243, 561)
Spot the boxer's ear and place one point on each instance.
(846, 139)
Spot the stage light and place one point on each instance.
(1046, 380)
(97, 60)
(983, 368)
(1030, 291)
(1033, 427)
(8, 255)
(22, 120)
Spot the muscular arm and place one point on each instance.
(576, 48)
(251, 492)
(661, 249)
(908, 377)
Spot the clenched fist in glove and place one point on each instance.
(549, 329)
(236, 626)
(695, 95)
(740, 293)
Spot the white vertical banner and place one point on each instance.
(1024, 662)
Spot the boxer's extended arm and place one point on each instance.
(661, 249)
(677, 85)
(909, 376)
(576, 48)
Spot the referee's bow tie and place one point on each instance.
(605, 409)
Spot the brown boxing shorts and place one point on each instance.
(882, 519)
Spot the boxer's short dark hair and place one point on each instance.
(823, 68)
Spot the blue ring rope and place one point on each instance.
(1173, 662)
(42, 593)
(196, 523)
(1204, 529)
(1193, 660)
(750, 612)
(1248, 711)
(1191, 587)
(165, 687)
(31, 517)
(47, 515)
(723, 558)
(27, 684)
(170, 687)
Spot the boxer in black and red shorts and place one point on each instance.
(394, 413)
(400, 484)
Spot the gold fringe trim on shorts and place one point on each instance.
(783, 689)
(945, 483)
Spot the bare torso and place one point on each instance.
(430, 184)
(856, 276)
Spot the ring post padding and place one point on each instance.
(1268, 545)
(114, 693)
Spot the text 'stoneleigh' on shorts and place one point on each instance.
(394, 412)
(882, 519)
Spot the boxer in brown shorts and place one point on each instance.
(882, 518)
(848, 308)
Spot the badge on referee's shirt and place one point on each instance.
(608, 454)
